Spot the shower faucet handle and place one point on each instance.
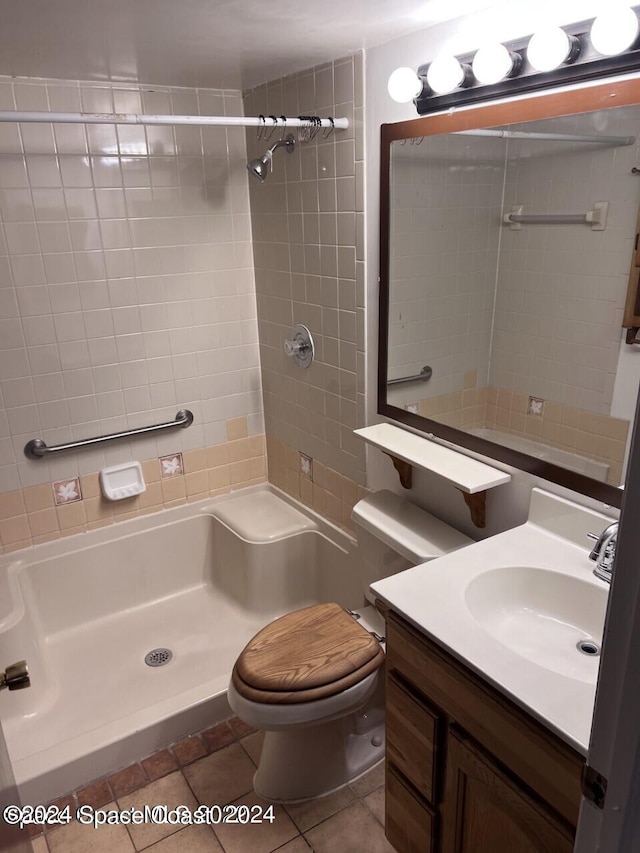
(16, 676)
(294, 347)
(299, 346)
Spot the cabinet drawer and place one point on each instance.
(545, 763)
(409, 824)
(411, 738)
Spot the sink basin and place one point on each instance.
(513, 607)
(541, 615)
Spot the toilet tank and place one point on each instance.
(394, 534)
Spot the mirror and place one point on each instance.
(507, 234)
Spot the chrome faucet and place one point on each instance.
(604, 551)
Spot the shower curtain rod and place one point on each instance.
(138, 118)
(558, 137)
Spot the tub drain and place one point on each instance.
(588, 647)
(158, 657)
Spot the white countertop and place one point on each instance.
(434, 597)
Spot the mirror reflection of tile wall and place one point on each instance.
(521, 327)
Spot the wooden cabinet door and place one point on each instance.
(486, 812)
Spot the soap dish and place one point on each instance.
(122, 481)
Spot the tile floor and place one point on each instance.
(217, 767)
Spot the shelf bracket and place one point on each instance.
(404, 469)
(477, 506)
(632, 335)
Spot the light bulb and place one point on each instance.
(493, 63)
(404, 85)
(445, 74)
(614, 31)
(550, 48)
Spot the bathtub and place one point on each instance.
(199, 580)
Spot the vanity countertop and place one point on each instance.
(513, 607)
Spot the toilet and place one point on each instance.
(312, 680)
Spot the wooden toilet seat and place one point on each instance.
(309, 654)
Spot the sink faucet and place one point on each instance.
(604, 551)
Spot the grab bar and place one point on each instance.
(425, 374)
(596, 217)
(37, 449)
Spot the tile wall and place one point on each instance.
(308, 243)
(601, 438)
(561, 288)
(323, 489)
(126, 293)
(34, 515)
(597, 437)
(446, 199)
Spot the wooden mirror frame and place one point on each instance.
(598, 96)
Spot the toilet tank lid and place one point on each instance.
(405, 527)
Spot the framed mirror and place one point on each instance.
(508, 241)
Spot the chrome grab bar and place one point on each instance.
(425, 374)
(37, 449)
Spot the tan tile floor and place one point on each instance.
(217, 767)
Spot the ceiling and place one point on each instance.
(232, 44)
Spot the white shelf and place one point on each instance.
(465, 473)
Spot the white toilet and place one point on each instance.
(312, 679)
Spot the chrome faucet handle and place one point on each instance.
(15, 677)
(604, 551)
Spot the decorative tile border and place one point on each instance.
(329, 493)
(535, 407)
(30, 516)
(306, 466)
(171, 466)
(599, 437)
(67, 491)
(42, 513)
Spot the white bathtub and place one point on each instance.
(199, 580)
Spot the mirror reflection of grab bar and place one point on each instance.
(596, 217)
(425, 374)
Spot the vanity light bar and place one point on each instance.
(554, 56)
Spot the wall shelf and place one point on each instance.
(407, 450)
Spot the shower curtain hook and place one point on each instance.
(283, 119)
(304, 131)
(261, 127)
(272, 127)
(315, 127)
(329, 130)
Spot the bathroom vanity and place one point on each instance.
(466, 768)
(489, 694)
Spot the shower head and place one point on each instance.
(259, 167)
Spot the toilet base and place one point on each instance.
(316, 760)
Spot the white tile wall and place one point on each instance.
(446, 196)
(126, 276)
(561, 288)
(308, 228)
